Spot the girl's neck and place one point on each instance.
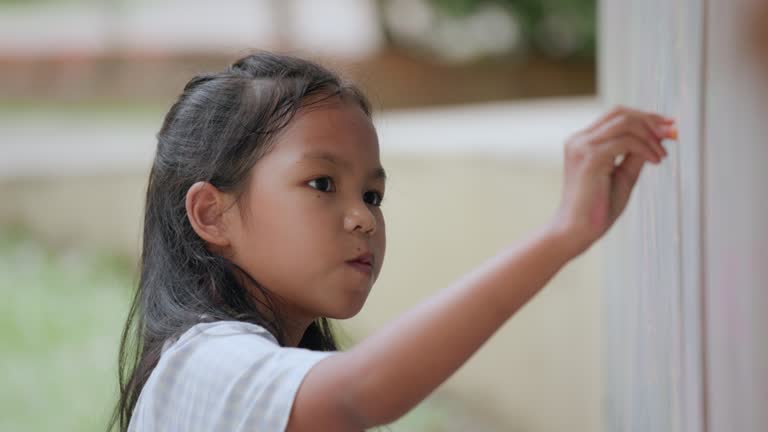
(294, 331)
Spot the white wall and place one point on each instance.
(686, 343)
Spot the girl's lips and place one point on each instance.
(361, 267)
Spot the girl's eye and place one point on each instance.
(323, 184)
(373, 198)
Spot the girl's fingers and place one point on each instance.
(629, 145)
(628, 124)
(671, 131)
(625, 145)
(663, 128)
(655, 119)
(658, 134)
(658, 148)
(624, 179)
(608, 117)
(629, 170)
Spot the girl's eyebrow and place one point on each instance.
(376, 174)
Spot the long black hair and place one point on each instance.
(220, 126)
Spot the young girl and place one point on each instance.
(262, 221)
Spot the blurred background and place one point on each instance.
(473, 101)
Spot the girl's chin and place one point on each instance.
(347, 311)
(348, 308)
(347, 299)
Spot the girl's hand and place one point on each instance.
(596, 189)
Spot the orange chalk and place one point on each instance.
(672, 134)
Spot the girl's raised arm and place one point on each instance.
(389, 373)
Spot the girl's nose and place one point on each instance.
(360, 218)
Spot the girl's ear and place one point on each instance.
(205, 208)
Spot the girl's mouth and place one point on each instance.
(361, 266)
(363, 263)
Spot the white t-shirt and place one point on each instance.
(222, 376)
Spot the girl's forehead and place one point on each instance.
(336, 128)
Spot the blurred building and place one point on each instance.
(406, 53)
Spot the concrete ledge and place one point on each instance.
(63, 144)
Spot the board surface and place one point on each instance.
(686, 282)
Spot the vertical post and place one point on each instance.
(686, 281)
(736, 224)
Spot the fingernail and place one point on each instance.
(669, 132)
(672, 133)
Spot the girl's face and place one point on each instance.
(311, 211)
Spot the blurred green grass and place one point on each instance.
(60, 324)
(60, 321)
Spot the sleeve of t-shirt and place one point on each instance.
(225, 381)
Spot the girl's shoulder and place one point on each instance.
(207, 331)
(223, 375)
